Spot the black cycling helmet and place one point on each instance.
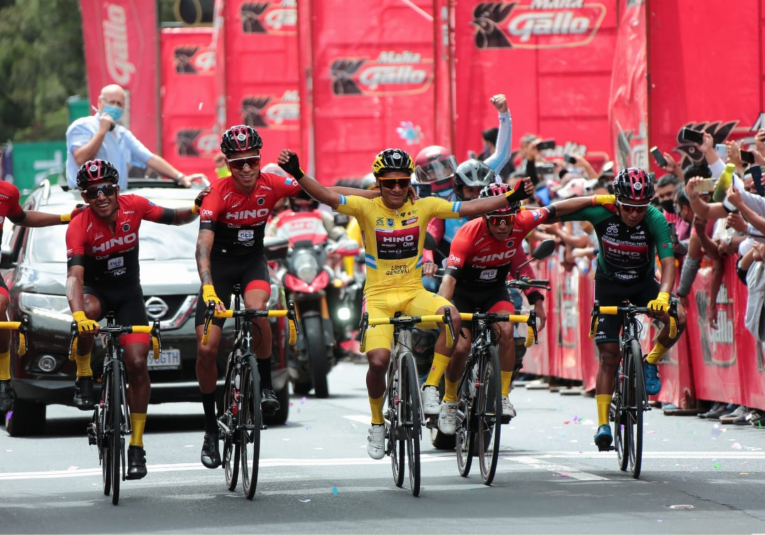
(239, 139)
(94, 171)
(495, 190)
(633, 184)
(392, 160)
(472, 173)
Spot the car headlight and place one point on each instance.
(305, 266)
(52, 306)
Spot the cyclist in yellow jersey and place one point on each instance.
(393, 230)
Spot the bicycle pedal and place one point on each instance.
(263, 427)
(606, 448)
(506, 418)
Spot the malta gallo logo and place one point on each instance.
(391, 73)
(272, 18)
(538, 24)
(271, 111)
(197, 143)
(194, 60)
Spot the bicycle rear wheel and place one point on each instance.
(250, 420)
(489, 412)
(396, 447)
(412, 419)
(638, 405)
(231, 447)
(116, 445)
(465, 437)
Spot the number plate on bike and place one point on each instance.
(170, 359)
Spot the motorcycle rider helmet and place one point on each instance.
(633, 184)
(436, 166)
(495, 190)
(368, 182)
(392, 160)
(94, 171)
(472, 173)
(240, 138)
(296, 206)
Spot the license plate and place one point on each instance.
(169, 359)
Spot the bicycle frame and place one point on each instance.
(403, 336)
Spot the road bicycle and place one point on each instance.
(630, 400)
(22, 327)
(404, 417)
(111, 416)
(239, 418)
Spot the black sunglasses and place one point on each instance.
(107, 189)
(390, 183)
(239, 163)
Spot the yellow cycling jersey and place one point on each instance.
(393, 239)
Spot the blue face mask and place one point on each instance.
(113, 111)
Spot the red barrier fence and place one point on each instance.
(722, 364)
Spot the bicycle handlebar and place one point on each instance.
(119, 330)
(526, 284)
(21, 327)
(632, 310)
(250, 313)
(445, 318)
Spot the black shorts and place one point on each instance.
(610, 293)
(251, 273)
(126, 302)
(469, 299)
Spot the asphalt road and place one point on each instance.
(316, 477)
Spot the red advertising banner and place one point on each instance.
(372, 82)
(537, 358)
(719, 91)
(569, 354)
(305, 42)
(261, 74)
(587, 352)
(188, 99)
(218, 47)
(552, 59)
(121, 48)
(629, 91)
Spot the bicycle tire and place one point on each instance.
(116, 444)
(396, 447)
(637, 408)
(231, 447)
(413, 420)
(489, 411)
(618, 404)
(250, 421)
(103, 446)
(464, 436)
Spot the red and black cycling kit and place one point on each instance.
(10, 208)
(481, 263)
(239, 220)
(110, 259)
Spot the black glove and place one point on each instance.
(293, 167)
(519, 193)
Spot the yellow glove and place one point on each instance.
(661, 303)
(600, 200)
(208, 294)
(84, 325)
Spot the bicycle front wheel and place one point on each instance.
(250, 421)
(465, 437)
(104, 455)
(638, 404)
(489, 412)
(115, 443)
(396, 447)
(412, 419)
(231, 447)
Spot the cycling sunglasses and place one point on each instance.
(636, 208)
(390, 183)
(497, 220)
(239, 163)
(107, 189)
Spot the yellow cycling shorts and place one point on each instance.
(408, 302)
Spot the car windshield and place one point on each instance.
(155, 242)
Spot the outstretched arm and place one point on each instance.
(288, 161)
(523, 189)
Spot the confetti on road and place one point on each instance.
(651, 432)
(334, 491)
(681, 507)
(302, 400)
(305, 501)
(716, 466)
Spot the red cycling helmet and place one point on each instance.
(633, 184)
(495, 190)
(239, 139)
(94, 171)
(435, 165)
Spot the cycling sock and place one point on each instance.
(208, 403)
(264, 369)
(450, 394)
(440, 362)
(137, 422)
(656, 353)
(5, 366)
(506, 378)
(83, 365)
(604, 403)
(377, 410)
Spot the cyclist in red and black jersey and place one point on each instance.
(478, 265)
(229, 252)
(10, 208)
(103, 276)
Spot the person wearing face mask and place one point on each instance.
(100, 136)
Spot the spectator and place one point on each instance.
(490, 136)
(100, 136)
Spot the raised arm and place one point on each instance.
(288, 161)
(701, 208)
(502, 148)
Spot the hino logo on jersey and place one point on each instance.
(485, 259)
(248, 214)
(114, 242)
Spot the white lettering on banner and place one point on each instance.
(276, 18)
(724, 332)
(245, 214)
(562, 23)
(282, 111)
(383, 75)
(291, 95)
(116, 45)
(556, 4)
(398, 57)
(205, 61)
(122, 240)
(208, 143)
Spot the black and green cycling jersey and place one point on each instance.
(626, 253)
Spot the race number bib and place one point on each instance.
(488, 274)
(246, 235)
(114, 263)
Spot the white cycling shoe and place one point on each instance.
(376, 444)
(431, 401)
(508, 411)
(447, 418)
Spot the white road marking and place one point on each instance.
(757, 455)
(564, 471)
(359, 418)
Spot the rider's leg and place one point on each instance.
(442, 353)
(379, 360)
(207, 373)
(136, 348)
(94, 309)
(6, 390)
(605, 382)
(506, 353)
(663, 341)
(256, 296)
(456, 366)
